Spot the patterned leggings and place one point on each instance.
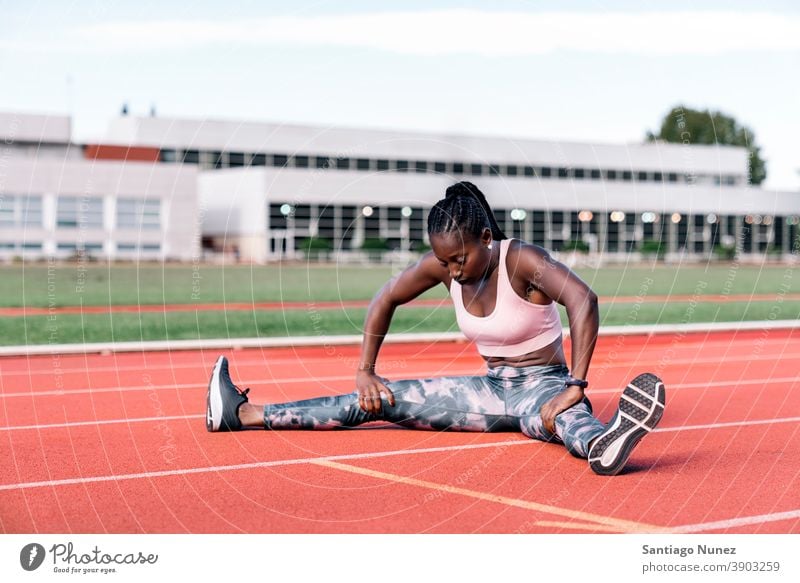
(506, 399)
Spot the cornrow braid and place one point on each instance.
(464, 208)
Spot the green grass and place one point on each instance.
(69, 284)
(69, 328)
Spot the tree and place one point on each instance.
(691, 126)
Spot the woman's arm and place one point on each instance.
(412, 282)
(562, 285)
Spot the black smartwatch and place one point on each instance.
(572, 381)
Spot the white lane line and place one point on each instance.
(321, 380)
(103, 422)
(245, 360)
(734, 522)
(289, 462)
(728, 424)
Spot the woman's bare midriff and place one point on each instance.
(550, 354)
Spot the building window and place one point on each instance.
(529, 171)
(641, 176)
(595, 175)
(280, 160)
(580, 173)
(547, 172)
(215, 159)
(191, 156)
(563, 172)
(402, 165)
(258, 160)
(322, 162)
(301, 161)
(139, 214)
(20, 211)
(458, 168)
(476, 169)
(658, 176)
(383, 165)
(511, 170)
(168, 156)
(421, 166)
(84, 212)
(611, 174)
(236, 159)
(627, 175)
(439, 167)
(342, 163)
(362, 164)
(672, 177)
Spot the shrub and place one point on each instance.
(577, 246)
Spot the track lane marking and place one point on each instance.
(255, 465)
(424, 374)
(734, 522)
(579, 515)
(197, 416)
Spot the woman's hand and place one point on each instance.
(370, 386)
(561, 402)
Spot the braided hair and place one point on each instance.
(464, 208)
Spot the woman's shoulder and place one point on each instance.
(519, 251)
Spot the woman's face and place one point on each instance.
(465, 257)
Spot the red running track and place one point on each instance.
(117, 444)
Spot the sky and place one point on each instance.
(571, 70)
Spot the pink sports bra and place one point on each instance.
(515, 327)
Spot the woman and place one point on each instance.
(504, 292)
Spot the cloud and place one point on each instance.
(471, 32)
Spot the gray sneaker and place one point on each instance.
(640, 409)
(223, 400)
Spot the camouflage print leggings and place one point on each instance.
(506, 399)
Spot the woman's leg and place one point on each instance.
(467, 403)
(575, 428)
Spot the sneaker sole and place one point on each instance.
(640, 409)
(214, 400)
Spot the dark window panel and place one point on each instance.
(641, 176)
(595, 175)
(258, 160)
(402, 165)
(511, 170)
(236, 159)
(362, 164)
(439, 167)
(627, 175)
(191, 157)
(672, 177)
(658, 176)
(563, 172)
(458, 168)
(611, 175)
(322, 162)
(301, 161)
(342, 163)
(383, 164)
(580, 173)
(547, 172)
(476, 169)
(279, 160)
(529, 171)
(168, 155)
(421, 166)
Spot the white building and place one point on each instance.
(266, 188)
(54, 202)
